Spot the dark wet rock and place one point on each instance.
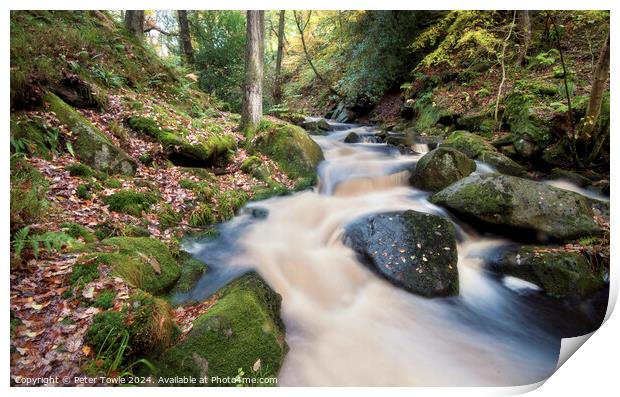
(352, 137)
(520, 203)
(257, 212)
(413, 250)
(440, 168)
(558, 154)
(525, 148)
(571, 176)
(559, 273)
(320, 126)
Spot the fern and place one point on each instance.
(49, 241)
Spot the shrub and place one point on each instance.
(28, 191)
(83, 192)
(78, 231)
(202, 216)
(105, 299)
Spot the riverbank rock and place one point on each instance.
(91, 145)
(559, 273)
(440, 168)
(475, 147)
(242, 329)
(320, 126)
(413, 250)
(352, 137)
(520, 203)
(144, 262)
(294, 151)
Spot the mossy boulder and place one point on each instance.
(144, 262)
(441, 167)
(482, 122)
(558, 154)
(145, 321)
(242, 327)
(191, 271)
(525, 120)
(470, 144)
(501, 163)
(292, 149)
(413, 250)
(559, 273)
(254, 166)
(520, 203)
(91, 145)
(215, 150)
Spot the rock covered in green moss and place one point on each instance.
(191, 271)
(413, 250)
(520, 203)
(91, 145)
(212, 151)
(316, 126)
(254, 166)
(242, 327)
(559, 273)
(33, 136)
(470, 144)
(558, 153)
(292, 149)
(523, 119)
(144, 262)
(441, 167)
(501, 163)
(352, 137)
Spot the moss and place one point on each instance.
(91, 145)
(83, 192)
(559, 273)
(523, 120)
(130, 202)
(83, 273)
(229, 202)
(105, 299)
(480, 198)
(470, 144)
(81, 170)
(113, 183)
(201, 216)
(27, 194)
(191, 271)
(151, 327)
(106, 331)
(78, 231)
(168, 217)
(292, 149)
(33, 136)
(242, 327)
(502, 163)
(142, 261)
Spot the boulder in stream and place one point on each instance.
(320, 126)
(352, 137)
(413, 250)
(558, 272)
(242, 329)
(522, 204)
(440, 168)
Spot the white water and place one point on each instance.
(347, 326)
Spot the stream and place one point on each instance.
(346, 326)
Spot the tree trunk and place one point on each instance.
(596, 96)
(503, 65)
(186, 39)
(134, 21)
(526, 35)
(252, 106)
(277, 90)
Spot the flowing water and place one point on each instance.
(347, 326)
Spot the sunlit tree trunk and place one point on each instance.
(596, 95)
(525, 27)
(134, 21)
(252, 106)
(186, 39)
(277, 90)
